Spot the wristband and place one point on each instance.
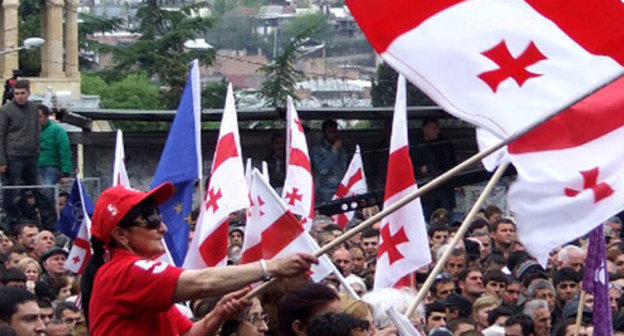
(265, 271)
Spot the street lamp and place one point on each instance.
(28, 43)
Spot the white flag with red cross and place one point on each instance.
(403, 243)
(81, 248)
(273, 231)
(120, 174)
(298, 191)
(227, 192)
(499, 64)
(353, 183)
(570, 173)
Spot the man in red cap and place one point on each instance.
(133, 294)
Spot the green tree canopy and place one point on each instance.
(135, 91)
(383, 92)
(160, 50)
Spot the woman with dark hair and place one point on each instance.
(299, 307)
(133, 294)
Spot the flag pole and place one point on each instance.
(579, 312)
(448, 174)
(458, 236)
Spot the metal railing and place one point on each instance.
(37, 198)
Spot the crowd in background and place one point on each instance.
(489, 285)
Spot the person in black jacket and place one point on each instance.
(433, 156)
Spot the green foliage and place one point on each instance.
(160, 50)
(29, 26)
(89, 26)
(322, 30)
(213, 95)
(383, 92)
(134, 91)
(282, 74)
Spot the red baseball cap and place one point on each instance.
(114, 203)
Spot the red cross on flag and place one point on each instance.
(570, 172)
(298, 191)
(403, 244)
(273, 231)
(81, 249)
(353, 183)
(227, 192)
(498, 64)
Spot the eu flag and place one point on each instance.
(71, 217)
(180, 163)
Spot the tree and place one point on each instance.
(282, 74)
(134, 91)
(319, 21)
(90, 25)
(213, 95)
(160, 49)
(383, 92)
(29, 26)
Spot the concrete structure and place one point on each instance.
(59, 54)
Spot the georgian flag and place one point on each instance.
(570, 172)
(81, 249)
(227, 192)
(298, 191)
(403, 243)
(499, 64)
(273, 231)
(353, 183)
(503, 64)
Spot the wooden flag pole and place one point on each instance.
(458, 236)
(579, 312)
(447, 175)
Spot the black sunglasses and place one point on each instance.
(150, 222)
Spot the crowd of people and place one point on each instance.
(489, 285)
(34, 151)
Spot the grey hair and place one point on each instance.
(533, 305)
(564, 254)
(383, 299)
(539, 284)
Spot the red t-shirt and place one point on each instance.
(133, 296)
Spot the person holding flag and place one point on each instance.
(133, 294)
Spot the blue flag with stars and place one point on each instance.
(71, 216)
(180, 163)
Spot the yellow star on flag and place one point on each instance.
(178, 208)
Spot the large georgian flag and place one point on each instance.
(403, 244)
(298, 191)
(498, 64)
(273, 231)
(227, 192)
(353, 183)
(570, 172)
